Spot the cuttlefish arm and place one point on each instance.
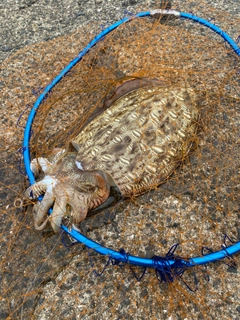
(67, 186)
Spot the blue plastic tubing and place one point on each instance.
(146, 262)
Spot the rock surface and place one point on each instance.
(41, 279)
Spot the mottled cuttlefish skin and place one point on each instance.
(141, 139)
(134, 145)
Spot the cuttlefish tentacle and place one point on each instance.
(39, 211)
(41, 187)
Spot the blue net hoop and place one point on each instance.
(162, 264)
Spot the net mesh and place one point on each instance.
(196, 207)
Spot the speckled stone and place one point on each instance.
(27, 22)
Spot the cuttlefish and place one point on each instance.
(145, 131)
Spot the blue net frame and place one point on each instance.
(170, 264)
